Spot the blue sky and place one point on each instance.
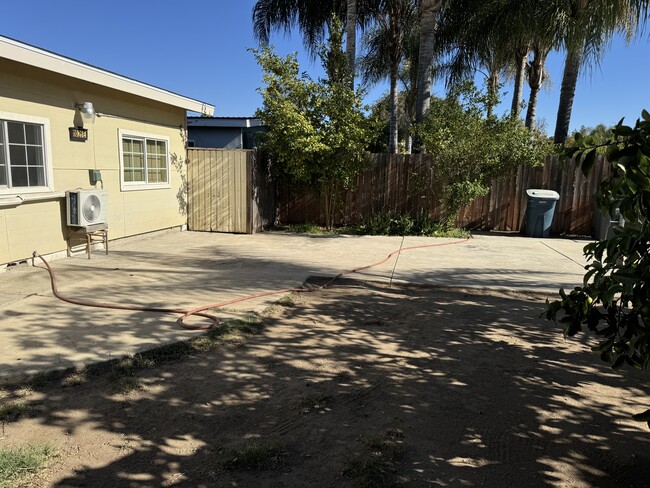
(198, 49)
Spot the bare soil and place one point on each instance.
(361, 384)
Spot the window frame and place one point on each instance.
(48, 187)
(142, 185)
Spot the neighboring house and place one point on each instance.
(132, 132)
(223, 132)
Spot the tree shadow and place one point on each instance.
(484, 392)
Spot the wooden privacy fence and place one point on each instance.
(226, 191)
(411, 183)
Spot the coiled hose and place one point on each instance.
(214, 320)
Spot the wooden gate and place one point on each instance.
(220, 190)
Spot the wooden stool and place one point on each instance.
(91, 234)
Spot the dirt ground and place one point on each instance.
(360, 385)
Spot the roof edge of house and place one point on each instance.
(232, 122)
(40, 58)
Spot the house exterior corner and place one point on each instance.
(132, 140)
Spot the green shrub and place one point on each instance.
(392, 224)
(614, 300)
(19, 462)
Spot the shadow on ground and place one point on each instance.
(482, 392)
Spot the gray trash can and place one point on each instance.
(604, 224)
(540, 211)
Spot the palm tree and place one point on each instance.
(375, 67)
(536, 77)
(428, 11)
(490, 35)
(313, 20)
(351, 37)
(522, 51)
(384, 46)
(586, 27)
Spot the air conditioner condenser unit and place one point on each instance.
(86, 208)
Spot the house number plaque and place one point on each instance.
(78, 134)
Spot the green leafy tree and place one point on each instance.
(614, 300)
(317, 130)
(471, 149)
(598, 136)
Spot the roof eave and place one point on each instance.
(40, 58)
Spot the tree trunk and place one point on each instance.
(351, 38)
(521, 56)
(536, 74)
(394, 109)
(493, 92)
(567, 94)
(395, 57)
(428, 11)
(531, 112)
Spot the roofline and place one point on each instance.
(50, 61)
(221, 117)
(231, 122)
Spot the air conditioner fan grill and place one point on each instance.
(91, 208)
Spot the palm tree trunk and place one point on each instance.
(536, 74)
(493, 92)
(531, 112)
(567, 94)
(428, 11)
(395, 57)
(394, 108)
(351, 37)
(521, 57)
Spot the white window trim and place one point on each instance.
(47, 150)
(131, 186)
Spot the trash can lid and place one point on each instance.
(543, 194)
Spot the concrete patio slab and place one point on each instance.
(191, 269)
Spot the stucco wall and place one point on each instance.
(41, 225)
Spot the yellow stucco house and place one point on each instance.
(60, 118)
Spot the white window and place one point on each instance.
(24, 156)
(144, 161)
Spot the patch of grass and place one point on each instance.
(252, 457)
(231, 332)
(127, 384)
(376, 465)
(288, 300)
(20, 462)
(12, 411)
(122, 372)
(74, 379)
(234, 331)
(39, 380)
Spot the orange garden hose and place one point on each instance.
(214, 320)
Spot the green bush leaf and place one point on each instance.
(614, 301)
(588, 161)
